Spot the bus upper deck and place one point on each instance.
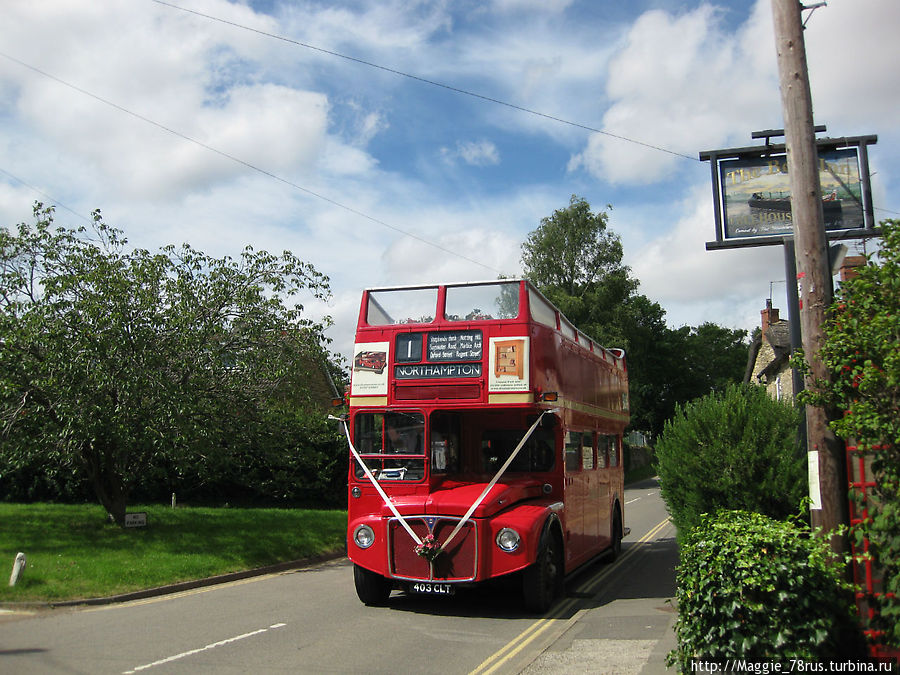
(496, 343)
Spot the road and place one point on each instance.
(310, 621)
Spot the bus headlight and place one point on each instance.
(508, 540)
(364, 536)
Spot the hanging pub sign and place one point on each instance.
(752, 198)
(756, 195)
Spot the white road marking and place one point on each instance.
(220, 643)
(632, 501)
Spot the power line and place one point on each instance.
(247, 164)
(424, 80)
(45, 195)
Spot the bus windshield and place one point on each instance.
(392, 445)
(482, 302)
(401, 306)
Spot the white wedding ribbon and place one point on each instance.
(472, 508)
(494, 480)
(375, 483)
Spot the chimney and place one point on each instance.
(769, 316)
(848, 268)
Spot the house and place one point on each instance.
(770, 352)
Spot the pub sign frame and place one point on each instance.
(751, 191)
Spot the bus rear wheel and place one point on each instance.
(371, 588)
(615, 550)
(542, 582)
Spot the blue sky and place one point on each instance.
(394, 156)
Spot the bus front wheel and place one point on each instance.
(371, 588)
(542, 581)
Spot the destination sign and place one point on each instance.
(427, 371)
(464, 345)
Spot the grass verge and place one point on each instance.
(73, 552)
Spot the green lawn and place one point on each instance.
(74, 553)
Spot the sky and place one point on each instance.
(394, 142)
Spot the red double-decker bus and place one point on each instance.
(489, 444)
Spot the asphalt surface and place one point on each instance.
(614, 618)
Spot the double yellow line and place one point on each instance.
(539, 627)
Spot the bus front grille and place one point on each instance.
(458, 563)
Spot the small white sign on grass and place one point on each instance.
(135, 520)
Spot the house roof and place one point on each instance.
(778, 336)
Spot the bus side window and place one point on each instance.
(614, 446)
(587, 450)
(573, 450)
(603, 451)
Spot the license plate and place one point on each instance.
(432, 589)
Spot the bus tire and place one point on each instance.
(616, 549)
(371, 588)
(543, 581)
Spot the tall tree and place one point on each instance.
(576, 262)
(114, 360)
(571, 250)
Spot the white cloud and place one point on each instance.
(548, 6)
(852, 51)
(473, 153)
(694, 285)
(681, 83)
(387, 25)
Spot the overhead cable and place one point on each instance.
(424, 80)
(247, 164)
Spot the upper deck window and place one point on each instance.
(401, 306)
(541, 310)
(483, 302)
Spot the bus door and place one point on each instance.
(593, 490)
(605, 445)
(581, 521)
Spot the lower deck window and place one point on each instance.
(392, 445)
(536, 455)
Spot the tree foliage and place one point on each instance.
(737, 449)
(756, 590)
(862, 356)
(576, 261)
(117, 363)
(572, 250)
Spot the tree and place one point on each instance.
(115, 361)
(736, 449)
(863, 361)
(577, 263)
(571, 250)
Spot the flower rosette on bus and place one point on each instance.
(429, 548)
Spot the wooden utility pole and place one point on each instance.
(828, 487)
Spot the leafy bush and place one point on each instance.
(753, 588)
(732, 450)
(861, 355)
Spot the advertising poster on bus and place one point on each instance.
(756, 196)
(508, 364)
(369, 374)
